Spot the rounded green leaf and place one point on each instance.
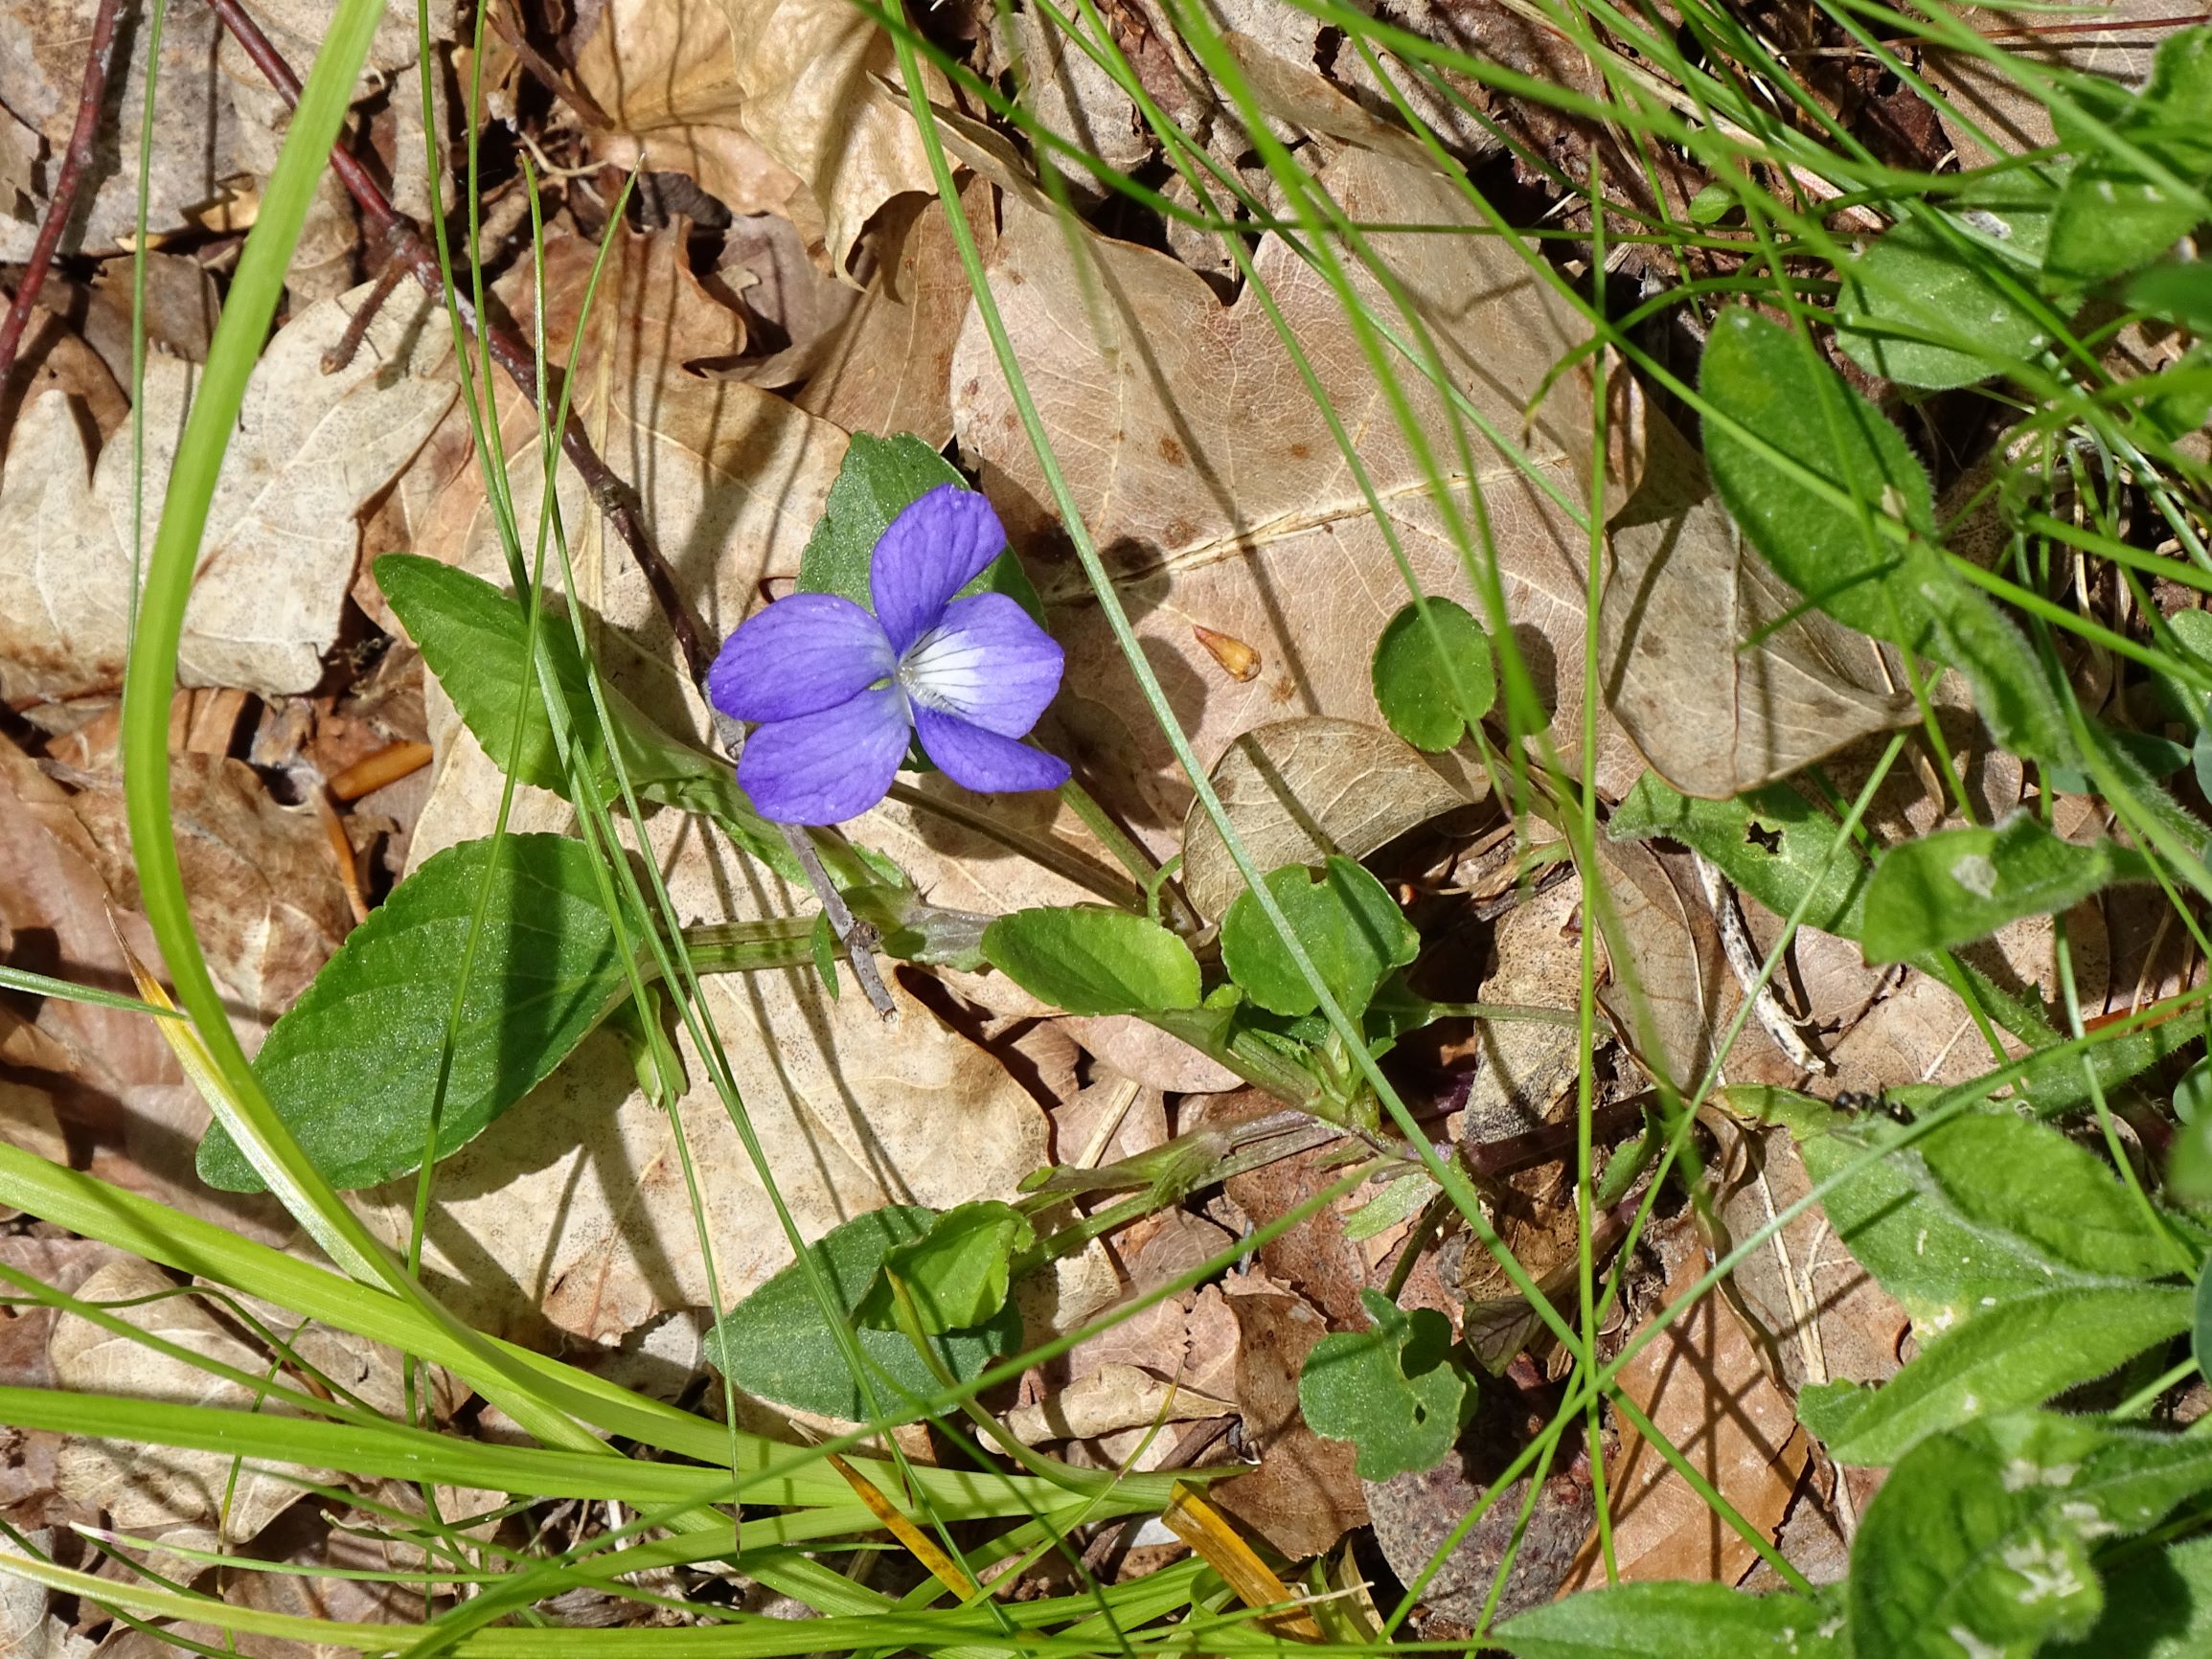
(1392, 1391)
(1433, 679)
(1092, 961)
(957, 1274)
(1350, 928)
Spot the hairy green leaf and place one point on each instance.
(1980, 1540)
(1959, 885)
(352, 1065)
(2157, 1606)
(774, 1345)
(2112, 217)
(957, 1274)
(1676, 1621)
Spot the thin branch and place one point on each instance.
(564, 87)
(91, 100)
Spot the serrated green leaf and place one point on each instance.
(957, 1274)
(1676, 1621)
(1775, 385)
(2111, 218)
(1930, 281)
(1958, 885)
(2016, 1354)
(1089, 960)
(472, 637)
(774, 1344)
(1350, 926)
(1430, 697)
(1978, 1543)
(2179, 293)
(1979, 1211)
(2156, 1607)
(881, 478)
(1391, 1391)
(351, 1067)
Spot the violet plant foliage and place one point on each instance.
(838, 693)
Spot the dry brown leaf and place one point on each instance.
(1704, 1385)
(279, 552)
(1713, 715)
(1525, 1067)
(1108, 1399)
(1254, 528)
(1298, 790)
(28, 1630)
(1676, 977)
(889, 369)
(137, 1486)
(218, 121)
(1305, 1494)
(1313, 1258)
(2011, 115)
(1149, 1055)
(773, 105)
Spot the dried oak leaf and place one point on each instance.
(1713, 714)
(1305, 1494)
(773, 105)
(137, 1486)
(1208, 516)
(282, 533)
(1297, 791)
(1704, 1384)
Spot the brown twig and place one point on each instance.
(563, 87)
(613, 496)
(91, 101)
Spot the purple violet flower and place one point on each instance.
(838, 692)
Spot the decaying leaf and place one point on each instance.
(1714, 713)
(1108, 1399)
(1672, 995)
(2119, 44)
(1297, 791)
(1256, 528)
(140, 1486)
(1524, 1068)
(1704, 1385)
(281, 534)
(772, 105)
(1305, 1494)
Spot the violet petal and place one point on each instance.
(806, 652)
(985, 761)
(936, 547)
(828, 767)
(985, 661)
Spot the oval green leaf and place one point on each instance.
(1351, 928)
(1092, 961)
(1433, 679)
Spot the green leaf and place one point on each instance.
(1772, 843)
(1978, 1541)
(1775, 386)
(2193, 1094)
(1089, 960)
(1676, 1621)
(1977, 1212)
(1430, 697)
(1923, 306)
(2201, 1323)
(2179, 293)
(2111, 218)
(1349, 924)
(881, 478)
(774, 1344)
(2156, 1607)
(957, 1274)
(352, 1065)
(473, 636)
(1959, 885)
(1392, 1391)
(2016, 1354)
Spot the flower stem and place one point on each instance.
(1046, 855)
(1132, 857)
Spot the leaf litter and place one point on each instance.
(782, 284)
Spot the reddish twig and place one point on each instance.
(91, 100)
(566, 88)
(613, 496)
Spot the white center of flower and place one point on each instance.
(945, 669)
